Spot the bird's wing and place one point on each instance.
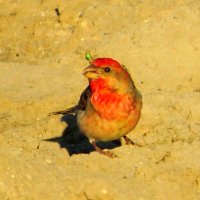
(81, 104)
(67, 111)
(85, 96)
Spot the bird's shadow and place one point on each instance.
(74, 141)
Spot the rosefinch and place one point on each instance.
(110, 106)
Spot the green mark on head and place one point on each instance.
(89, 57)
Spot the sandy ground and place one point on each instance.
(42, 50)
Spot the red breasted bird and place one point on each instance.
(110, 107)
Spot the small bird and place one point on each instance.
(110, 107)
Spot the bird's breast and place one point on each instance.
(108, 117)
(112, 106)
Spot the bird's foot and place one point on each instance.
(108, 153)
(99, 150)
(128, 140)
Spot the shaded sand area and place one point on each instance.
(42, 48)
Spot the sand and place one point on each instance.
(42, 55)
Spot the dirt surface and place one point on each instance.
(42, 49)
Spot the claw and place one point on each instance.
(128, 140)
(99, 150)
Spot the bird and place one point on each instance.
(110, 106)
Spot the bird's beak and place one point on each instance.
(91, 72)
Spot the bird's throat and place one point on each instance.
(98, 85)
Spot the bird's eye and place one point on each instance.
(107, 69)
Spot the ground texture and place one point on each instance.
(42, 48)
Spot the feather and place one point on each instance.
(81, 104)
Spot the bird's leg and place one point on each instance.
(99, 150)
(128, 140)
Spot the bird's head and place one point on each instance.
(106, 73)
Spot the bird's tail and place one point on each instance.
(71, 110)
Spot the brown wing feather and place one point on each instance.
(86, 94)
(81, 104)
(67, 111)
